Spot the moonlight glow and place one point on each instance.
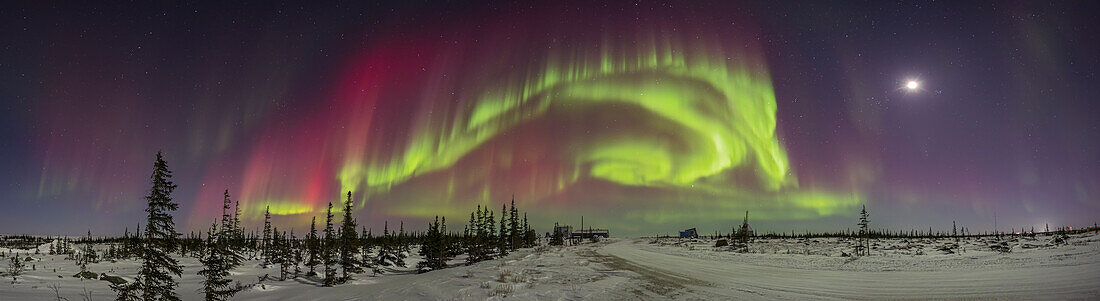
(912, 85)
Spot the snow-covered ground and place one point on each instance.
(647, 268)
(897, 269)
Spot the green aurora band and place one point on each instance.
(696, 122)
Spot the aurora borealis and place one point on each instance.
(643, 117)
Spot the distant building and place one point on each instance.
(591, 232)
(566, 231)
(689, 233)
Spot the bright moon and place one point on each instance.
(912, 85)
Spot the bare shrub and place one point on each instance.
(502, 289)
(504, 275)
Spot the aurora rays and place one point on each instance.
(645, 118)
(716, 114)
(668, 116)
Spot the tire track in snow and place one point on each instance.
(752, 281)
(655, 280)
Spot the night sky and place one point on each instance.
(646, 118)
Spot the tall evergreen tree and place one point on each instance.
(529, 235)
(328, 249)
(226, 236)
(16, 267)
(955, 231)
(375, 266)
(88, 254)
(227, 221)
(216, 265)
(433, 248)
(295, 247)
(313, 245)
(503, 234)
(863, 232)
(472, 237)
(389, 253)
(349, 262)
(136, 242)
(402, 244)
(237, 239)
(284, 254)
(392, 252)
(157, 265)
(126, 291)
(481, 239)
(446, 241)
(265, 248)
(490, 236)
(365, 261)
(558, 238)
(515, 237)
(385, 252)
(744, 232)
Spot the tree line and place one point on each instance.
(331, 255)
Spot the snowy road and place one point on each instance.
(646, 269)
(715, 279)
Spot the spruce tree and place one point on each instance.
(126, 291)
(385, 256)
(87, 253)
(515, 237)
(529, 235)
(328, 249)
(227, 217)
(216, 266)
(295, 246)
(265, 244)
(285, 255)
(313, 245)
(448, 240)
(226, 236)
(392, 249)
(135, 242)
(863, 232)
(432, 249)
(744, 232)
(503, 234)
(392, 252)
(471, 239)
(444, 242)
(375, 267)
(557, 239)
(365, 261)
(402, 245)
(237, 239)
(955, 231)
(481, 239)
(15, 266)
(349, 263)
(275, 248)
(158, 265)
(490, 236)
